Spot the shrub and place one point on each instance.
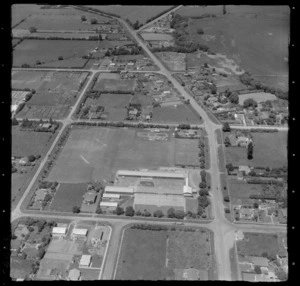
(200, 31)
(76, 209)
(129, 211)
(171, 213)
(119, 210)
(227, 210)
(179, 214)
(158, 213)
(32, 29)
(226, 199)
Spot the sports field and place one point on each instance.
(264, 153)
(67, 196)
(141, 13)
(160, 255)
(179, 114)
(94, 153)
(255, 37)
(186, 152)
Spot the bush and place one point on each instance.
(98, 211)
(200, 31)
(32, 29)
(171, 213)
(179, 214)
(202, 185)
(226, 127)
(158, 213)
(129, 211)
(226, 199)
(76, 209)
(31, 158)
(119, 210)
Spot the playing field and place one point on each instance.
(186, 152)
(255, 37)
(133, 13)
(94, 153)
(264, 153)
(175, 114)
(67, 196)
(158, 255)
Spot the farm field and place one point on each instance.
(156, 37)
(22, 11)
(258, 97)
(264, 153)
(25, 143)
(134, 13)
(115, 85)
(67, 196)
(255, 244)
(179, 114)
(240, 191)
(31, 51)
(162, 255)
(255, 37)
(93, 153)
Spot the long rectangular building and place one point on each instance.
(153, 174)
(118, 190)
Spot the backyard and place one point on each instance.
(94, 153)
(264, 154)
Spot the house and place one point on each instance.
(85, 260)
(245, 169)
(40, 195)
(59, 231)
(90, 198)
(79, 233)
(243, 141)
(260, 261)
(109, 204)
(74, 274)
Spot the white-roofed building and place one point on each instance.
(157, 174)
(59, 231)
(118, 190)
(85, 260)
(111, 196)
(79, 232)
(109, 204)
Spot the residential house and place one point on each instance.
(59, 231)
(243, 141)
(246, 213)
(90, 197)
(40, 195)
(85, 260)
(245, 169)
(260, 261)
(79, 233)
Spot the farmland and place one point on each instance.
(162, 254)
(156, 37)
(93, 153)
(22, 11)
(264, 154)
(175, 114)
(255, 37)
(62, 200)
(133, 13)
(115, 85)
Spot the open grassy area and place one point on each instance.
(264, 153)
(25, 143)
(142, 256)
(20, 12)
(19, 267)
(115, 85)
(240, 191)
(233, 264)
(221, 159)
(67, 196)
(258, 97)
(218, 134)
(93, 153)
(179, 114)
(186, 152)
(160, 255)
(255, 244)
(141, 13)
(255, 37)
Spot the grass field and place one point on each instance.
(179, 114)
(264, 154)
(221, 159)
(156, 37)
(258, 97)
(93, 153)
(154, 255)
(142, 256)
(240, 191)
(67, 196)
(186, 152)
(115, 85)
(61, 19)
(255, 244)
(25, 143)
(141, 13)
(19, 267)
(22, 11)
(233, 264)
(255, 37)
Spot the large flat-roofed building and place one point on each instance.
(109, 204)
(111, 196)
(118, 190)
(153, 174)
(153, 202)
(157, 190)
(59, 231)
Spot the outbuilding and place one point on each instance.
(85, 260)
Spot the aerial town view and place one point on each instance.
(149, 142)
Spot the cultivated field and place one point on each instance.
(255, 37)
(115, 85)
(141, 13)
(22, 11)
(156, 37)
(161, 255)
(179, 114)
(258, 97)
(93, 153)
(67, 196)
(264, 154)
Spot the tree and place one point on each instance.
(171, 213)
(203, 201)
(213, 89)
(158, 213)
(83, 18)
(179, 214)
(234, 98)
(227, 210)
(250, 102)
(147, 214)
(76, 209)
(14, 121)
(226, 127)
(60, 58)
(229, 167)
(32, 29)
(119, 210)
(255, 205)
(250, 151)
(202, 185)
(200, 31)
(138, 213)
(98, 211)
(94, 21)
(203, 192)
(31, 158)
(129, 211)
(136, 25)
(224, 10)
(281, 275)
(257, 269)
(226, 199)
